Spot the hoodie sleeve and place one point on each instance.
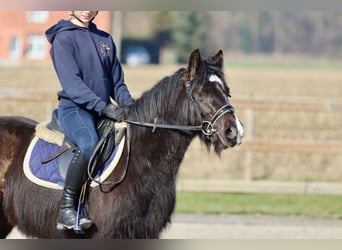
(121, 92)
(69, 75)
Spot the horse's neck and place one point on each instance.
(164, 147)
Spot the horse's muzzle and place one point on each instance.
(233, 134)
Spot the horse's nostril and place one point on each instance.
(228, 131)
(231, 133)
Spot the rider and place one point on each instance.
(86, 63)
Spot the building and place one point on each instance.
(22, 33)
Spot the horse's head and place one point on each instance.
(209, 94)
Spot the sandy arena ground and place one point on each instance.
(245, 227)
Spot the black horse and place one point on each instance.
(194, 101)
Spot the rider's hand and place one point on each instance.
(114, 112)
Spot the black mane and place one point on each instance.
(160, 100)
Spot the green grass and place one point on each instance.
(320, 206)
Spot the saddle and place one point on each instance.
(109, 135)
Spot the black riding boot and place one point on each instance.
(75, 177)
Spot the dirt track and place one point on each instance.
(252, 227)
(246, 227)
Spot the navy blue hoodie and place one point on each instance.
(87, 66)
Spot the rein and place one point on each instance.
(206, 127)
(156, 125)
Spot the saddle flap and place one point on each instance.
(64, 161)
(105, 145)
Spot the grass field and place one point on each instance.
(322, 206)
(258, 80)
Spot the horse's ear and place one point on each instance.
(217, 60)
(194, 62)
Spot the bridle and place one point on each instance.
(207, 127)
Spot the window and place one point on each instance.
(15, 47)
(37, 16)
(36, 47)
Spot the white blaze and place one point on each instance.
(239, 129)
(215, 78)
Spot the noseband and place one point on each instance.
(206, 127)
